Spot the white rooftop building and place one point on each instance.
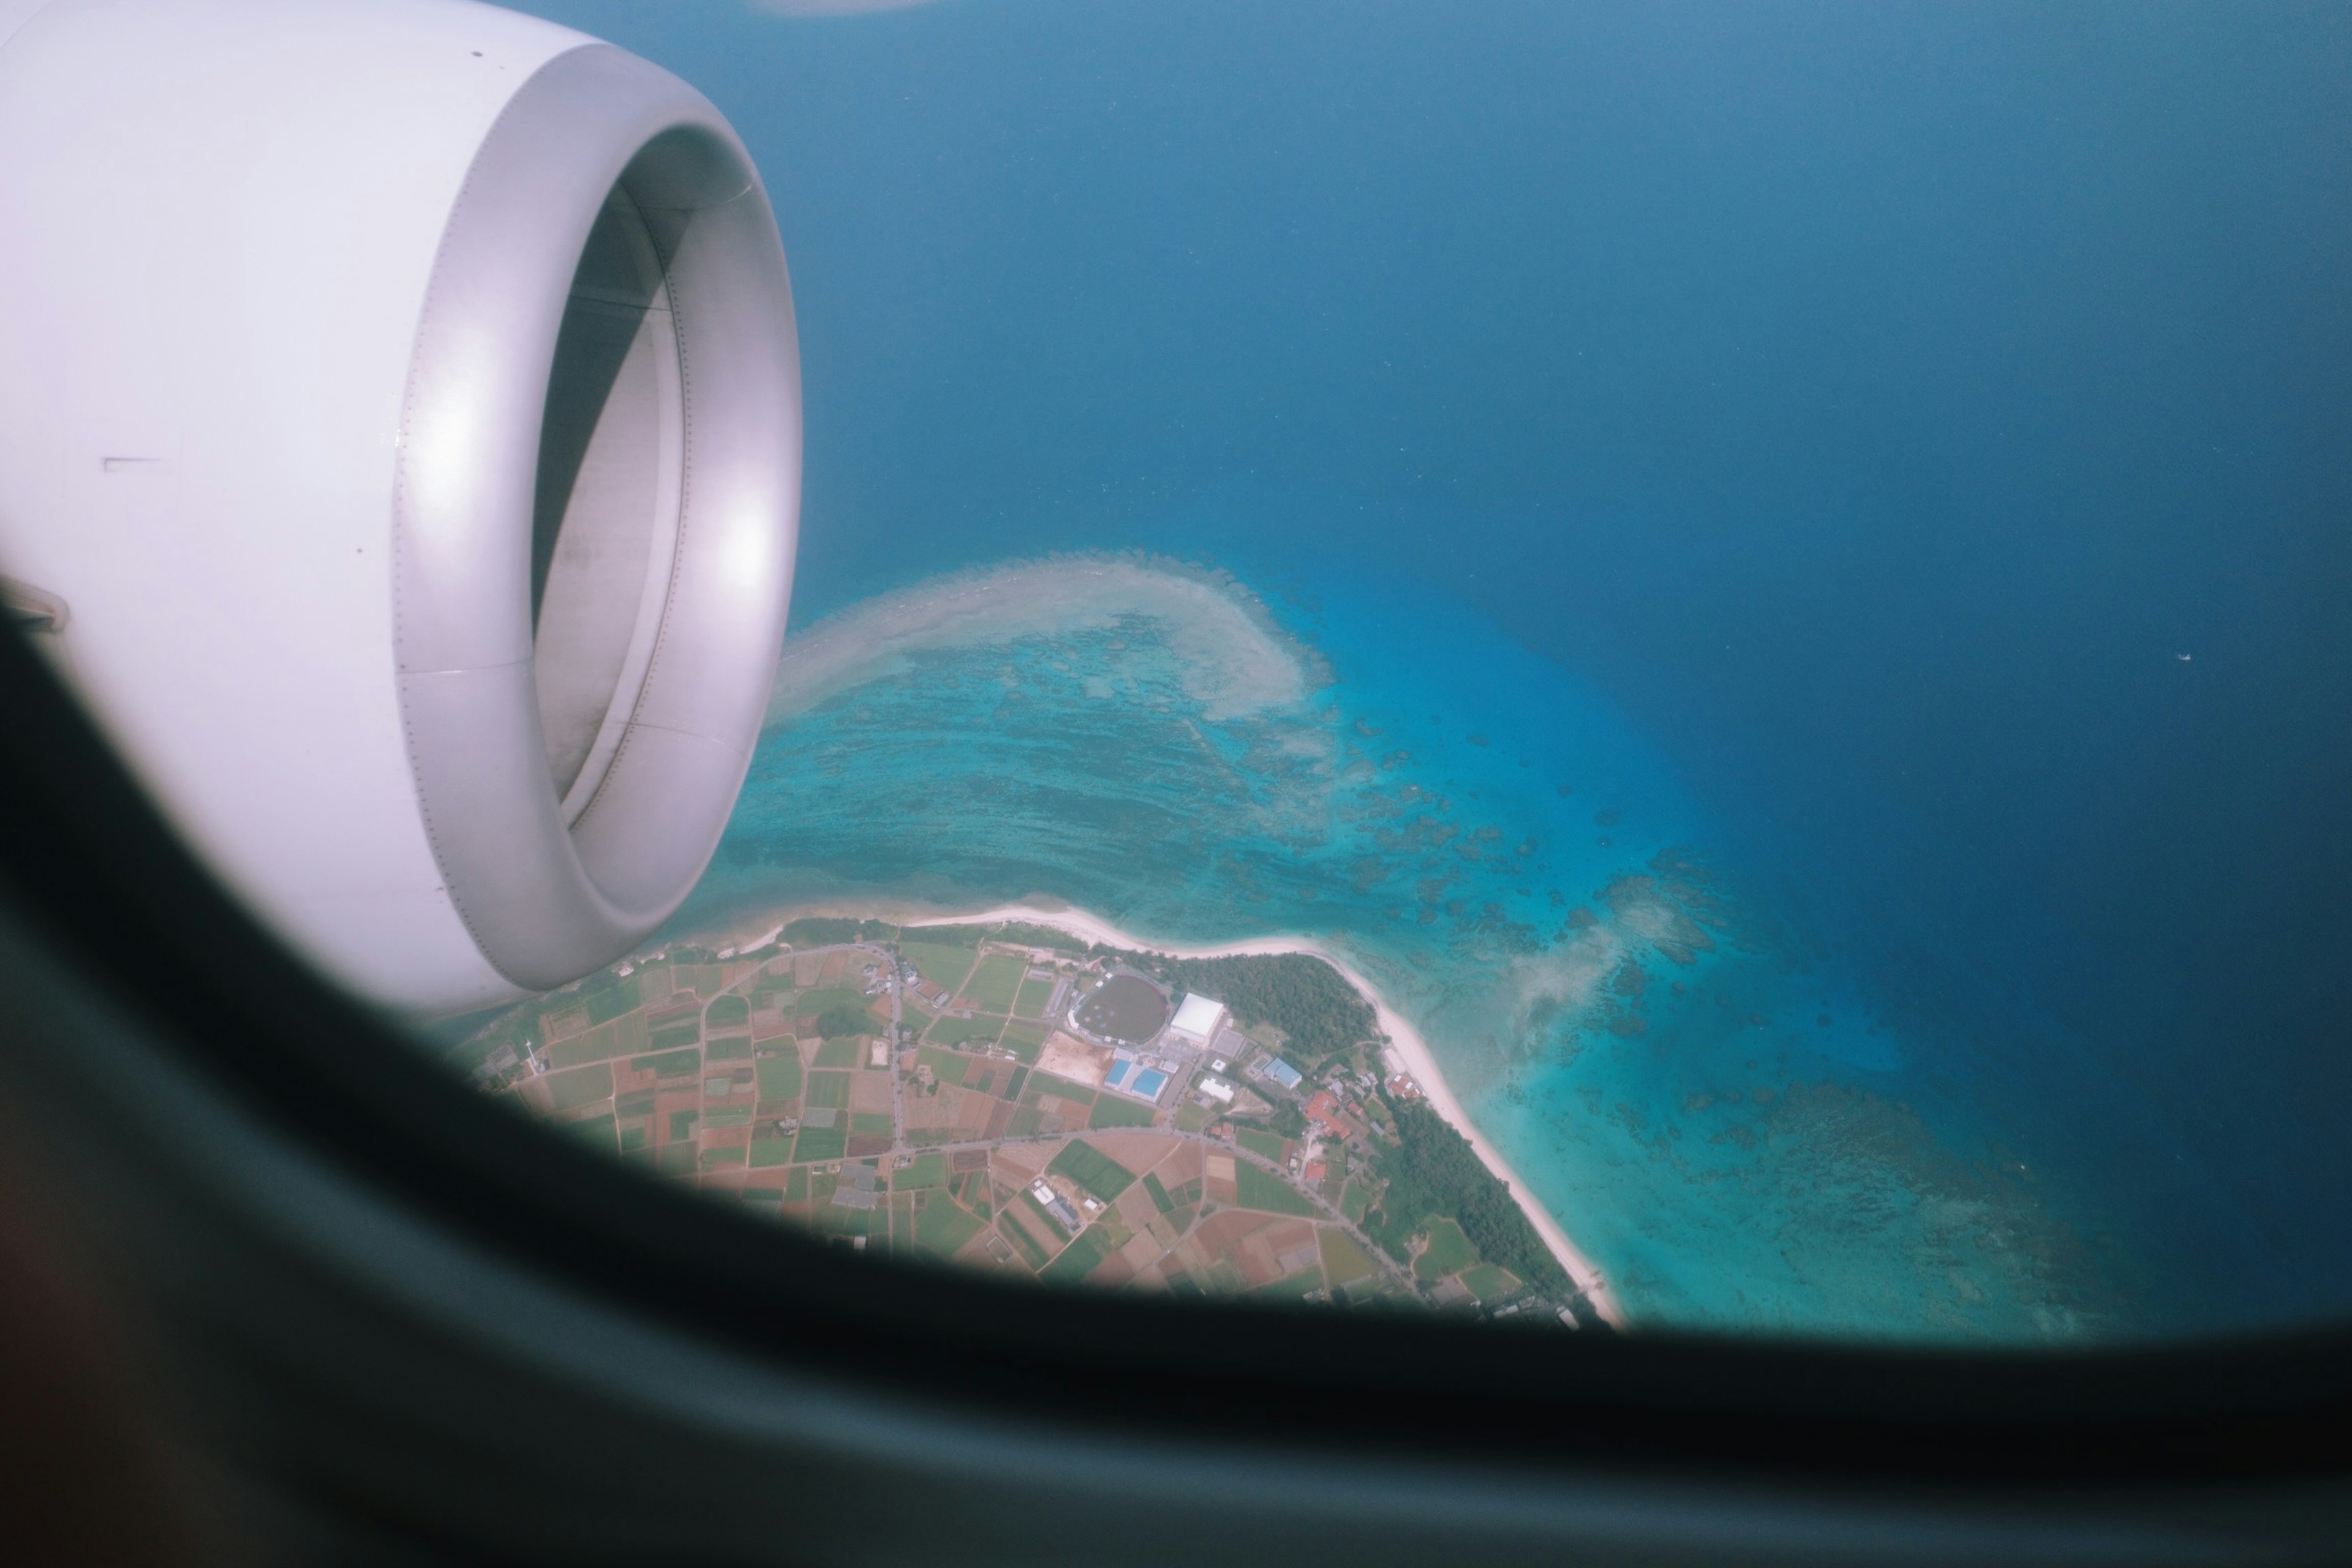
(1197, 1017)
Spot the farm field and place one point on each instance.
(805, 1086)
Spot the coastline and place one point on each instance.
(1405, 1042)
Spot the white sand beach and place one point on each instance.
(1410, 1049)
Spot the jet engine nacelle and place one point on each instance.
(399, 456)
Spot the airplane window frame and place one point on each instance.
(93, 868)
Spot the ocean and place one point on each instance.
(1775, 575)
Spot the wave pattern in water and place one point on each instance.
(1712, 1109)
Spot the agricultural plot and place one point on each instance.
(1272, 1146)
(1448, 1251)
(1033, 997)
(1090, 1168)
(942, 1229)
(979, 1031)
(1261, 1189)
(581, 1086)
(664, 1069)
(1023, 1039)
(1344, 1259)
(944, 967)
(1111, 1111)
(1079, 1258)
(780, 1074)
(993, 986)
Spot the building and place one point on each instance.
(1197, 1018)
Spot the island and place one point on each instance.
(1041, 1096)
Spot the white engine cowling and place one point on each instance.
(399, 444)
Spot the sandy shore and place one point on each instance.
(1408, 1048)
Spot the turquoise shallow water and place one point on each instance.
(1704, 1091)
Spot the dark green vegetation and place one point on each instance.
(824, 930)
(1092, 1170)
(843, 1019)
(1297, 993)
(1432, 1171)
(724, 1011)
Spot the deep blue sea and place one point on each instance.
(1856, 501)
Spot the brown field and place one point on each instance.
(870, 1092)
(1220, 1187)
(1138, 1150)
(1018, 1164)
(1066, 1056)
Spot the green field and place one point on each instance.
(912, 1019)
(949, 1066)
(727, 1116)
(944, 967)
(669, 1064)
(1160, 1198)
(1045, 1083)
(780, 1075)
(681, 1124)
(1270, 1194)
(964, 1031)
(942, 1229)
(728, 1049)
(1272, 1145)
(828, 1090)
(581, 1086)
(1092, 1170)
(677, 1034)
(771, 1150)
(640, 1103)
(726, 1010)
(1490, 1284)
(608, 1004)
(1033, 995)
(1020, 1237)
(1024, 1040)
(595, 1045)
(994, 984)
(927, 1171)
(1448, 1251)
(1344, 1261)
(721, 1157)
(1357, 1201)
(870, 1124)
(820, 1143)
(838, 1052)
(1080, 1257)
(1112, 1111)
